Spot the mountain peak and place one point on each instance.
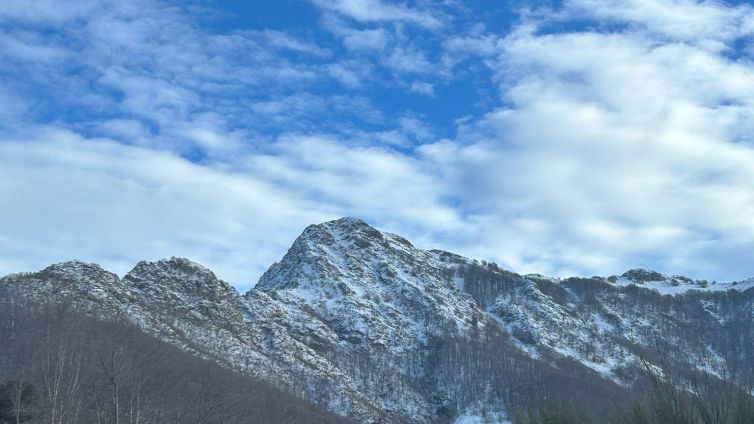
(642, 275)
(176, 264)
(178, 275)
(79, 271)
(347, 221)
(328, 252)
(344, 231)
(372, 287)
(74, 265)
(665, 284)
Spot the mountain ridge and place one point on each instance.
(637, 276)
(367, 325)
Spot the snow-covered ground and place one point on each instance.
(673, 285)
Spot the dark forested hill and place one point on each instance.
(58, 366)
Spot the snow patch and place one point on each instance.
(478, 417)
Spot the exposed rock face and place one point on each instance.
(366, 324)
(180, 288)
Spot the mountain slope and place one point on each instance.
(611, 324)
(375, 289)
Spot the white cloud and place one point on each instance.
(381, 11)
(124, 129)
(369, 39)
(357, 180)
(351, 74)
(408, 60)
(282, 40)
(704, 23)
(423, 87)
(45, 12)
(100, 201)
(618, 149)
(476, 44)
(356, 39)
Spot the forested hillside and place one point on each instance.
(60, 367)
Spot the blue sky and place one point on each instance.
(566, 138)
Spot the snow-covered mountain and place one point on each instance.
(373, 289)
(368, 325)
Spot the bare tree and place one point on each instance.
(59, 366)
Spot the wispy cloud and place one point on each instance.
(423, 88)
(153, 65)
(708, 24)
(380, 11)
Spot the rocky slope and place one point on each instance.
(366, 324)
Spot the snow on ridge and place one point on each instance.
(675, 284)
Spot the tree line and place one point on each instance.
(672, 398)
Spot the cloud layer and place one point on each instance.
(577, 139)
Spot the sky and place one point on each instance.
(574, 137)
